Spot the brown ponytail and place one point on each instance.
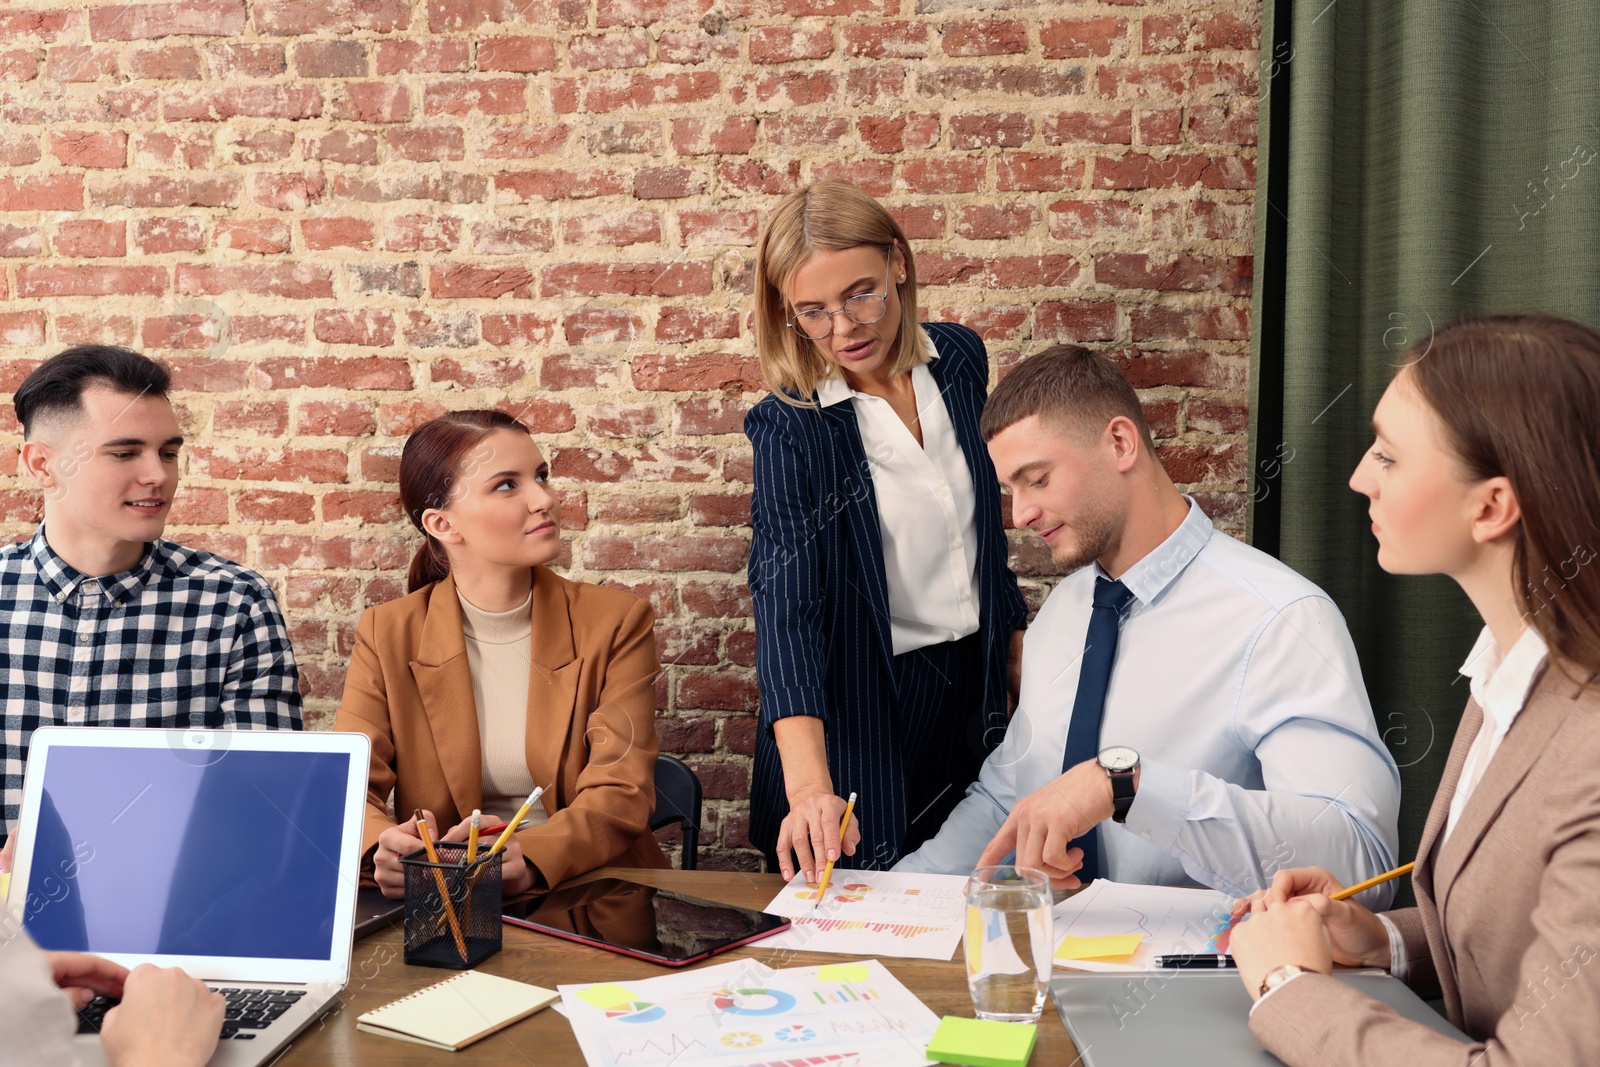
(429, 466)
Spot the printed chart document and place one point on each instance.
(1111, 926)
(874, 913)
(745, 1014)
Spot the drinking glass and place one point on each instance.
(1008, 942)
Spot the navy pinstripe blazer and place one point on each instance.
(816, 575)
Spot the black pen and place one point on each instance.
(1196, 961)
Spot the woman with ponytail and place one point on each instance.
(495, 674)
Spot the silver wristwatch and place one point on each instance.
(1279, 975)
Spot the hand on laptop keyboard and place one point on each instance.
(247, 1011)
(164, 1017)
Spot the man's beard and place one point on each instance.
(1091, 536)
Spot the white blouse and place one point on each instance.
(1500, 681)
(926, 512)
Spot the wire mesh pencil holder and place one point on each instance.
(452, 913)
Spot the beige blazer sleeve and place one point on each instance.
(1507, 923)
(609, 795)
(365, 709)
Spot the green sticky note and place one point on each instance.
(844, 972)
(981, 1043)
(605, 996)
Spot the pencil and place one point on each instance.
(472, 837)
(511, 827)
(1361, 887)
(827, 872)
(444, 893)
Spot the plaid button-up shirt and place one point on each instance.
(183, 639)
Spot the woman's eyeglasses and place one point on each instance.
(863, 310)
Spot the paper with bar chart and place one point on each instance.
(874, 913)
(1145, 921)
(745, 1014)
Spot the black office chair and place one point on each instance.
(678, 797)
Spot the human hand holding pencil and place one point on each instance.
(827, 874)
(811, 836)
(516, 875)
(1355, 936)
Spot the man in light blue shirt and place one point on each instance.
(1236, 738)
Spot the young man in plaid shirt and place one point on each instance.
(102, 622)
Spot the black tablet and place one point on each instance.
(375, 912)
(642, 921)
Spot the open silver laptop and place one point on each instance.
(231, 854)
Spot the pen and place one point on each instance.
(827, 873)
(444, 893)
(472, 837)
(1194, 961)
(505, 835)
(499, 827)
(1361, 887)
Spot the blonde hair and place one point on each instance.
(827, 216)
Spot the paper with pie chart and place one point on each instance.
(874, 913)
(745, 1014)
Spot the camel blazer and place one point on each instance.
(591, 721)
(1507, 923)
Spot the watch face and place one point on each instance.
(1279, 975)
(1119, 758)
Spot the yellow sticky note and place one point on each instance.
(843, 972)
(5, 886)
(605, 996)
(1095, 948)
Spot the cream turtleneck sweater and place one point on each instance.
(499, 645)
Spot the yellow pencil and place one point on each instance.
(444, 893)
(472, 837)
(827, 872)
(511, 827)
(1361, 887)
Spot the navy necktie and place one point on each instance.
(1111, 599)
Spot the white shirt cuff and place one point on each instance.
(1263, 999)
(1161, 804)
(1399, 966)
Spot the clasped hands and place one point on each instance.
(1294, 921)
(516, 876)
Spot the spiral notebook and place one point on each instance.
(454, 1013)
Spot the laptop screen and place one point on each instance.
(158, 851)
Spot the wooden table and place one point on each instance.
(378, 974)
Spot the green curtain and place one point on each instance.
(1419, 162)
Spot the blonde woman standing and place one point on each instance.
(888, 623)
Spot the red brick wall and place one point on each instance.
(334, 218)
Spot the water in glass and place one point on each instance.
(1008, 942)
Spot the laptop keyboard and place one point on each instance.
(248, 1010)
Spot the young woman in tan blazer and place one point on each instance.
(496, 674)
(1486, 468)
